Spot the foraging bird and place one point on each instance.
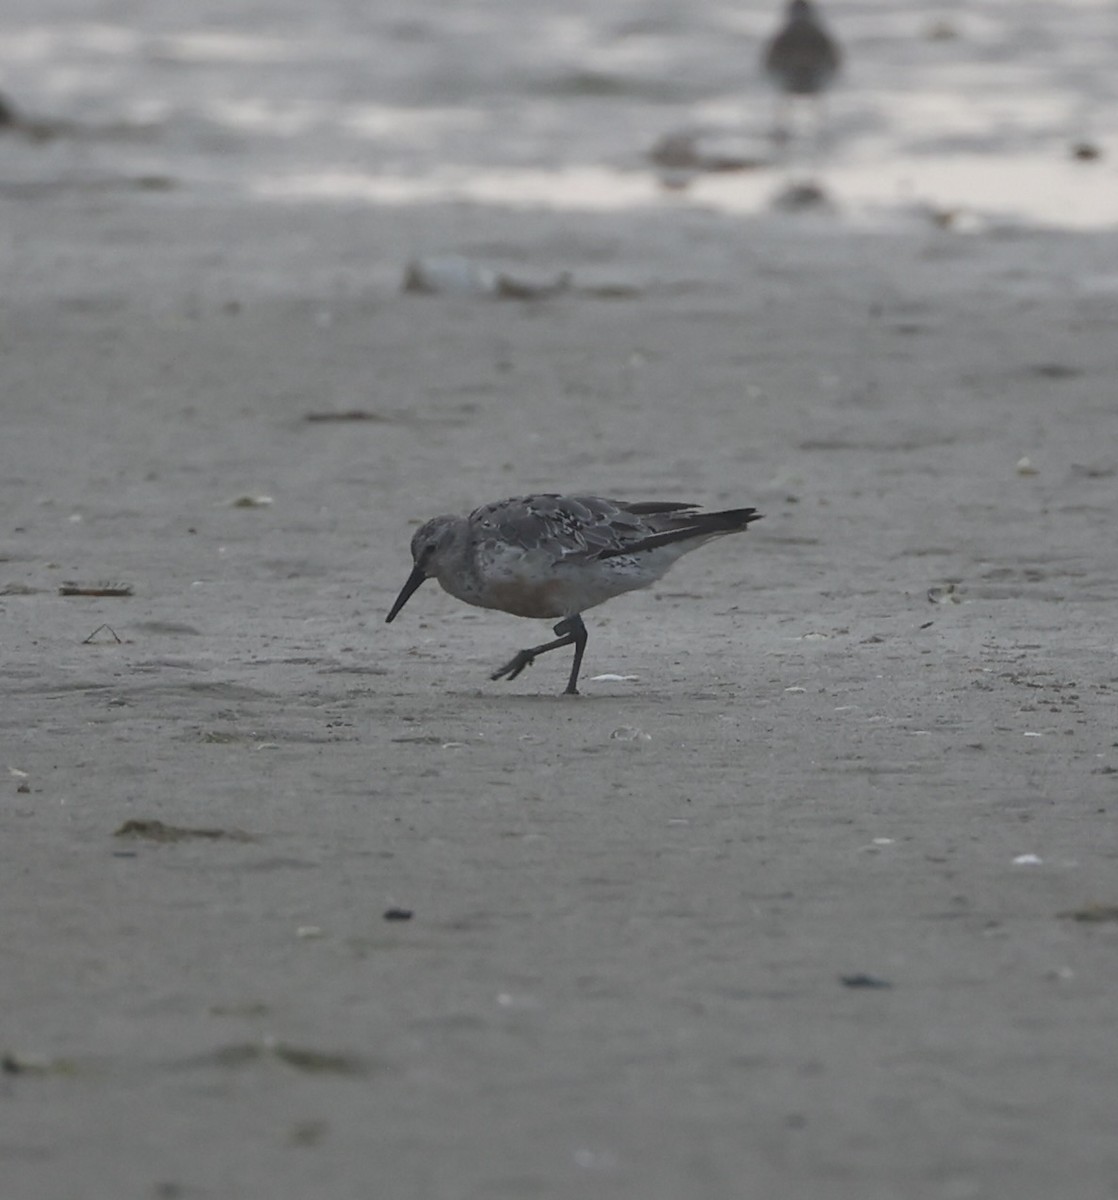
(553, 556)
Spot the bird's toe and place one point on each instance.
(514, 666)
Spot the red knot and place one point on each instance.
(551, 556)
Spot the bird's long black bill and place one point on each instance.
(414, 580)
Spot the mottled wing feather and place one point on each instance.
(578, 525)
(615, 526)
(597, 526)
(530, 522)
(692, 526)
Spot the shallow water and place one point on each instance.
(966, 112)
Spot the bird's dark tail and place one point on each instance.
(691, 526)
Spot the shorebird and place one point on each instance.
(802, 59)
(550, 556)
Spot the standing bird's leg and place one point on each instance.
(572, 632)
(781, 132)
(578, 633)
(819, 142)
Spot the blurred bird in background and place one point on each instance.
(802, 60)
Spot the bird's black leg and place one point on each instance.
(572, 632)
(579, 636)
(525, 658)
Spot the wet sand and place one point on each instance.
(872, 740)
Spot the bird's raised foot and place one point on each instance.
(522, 659)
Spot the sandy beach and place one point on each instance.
(816, 893)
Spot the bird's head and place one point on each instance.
(429, 541)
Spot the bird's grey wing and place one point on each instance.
(623, 527)
(577, 526)
(595, 526)
(559, 524)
